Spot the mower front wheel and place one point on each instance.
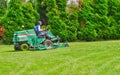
(24, 47)
(48, 44)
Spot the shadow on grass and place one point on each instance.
(9, 51)
(23, 51)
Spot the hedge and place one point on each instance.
(91, 20)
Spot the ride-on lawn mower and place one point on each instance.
(30, 40)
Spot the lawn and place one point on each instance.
(81, 58)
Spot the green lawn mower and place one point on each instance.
(30, 40)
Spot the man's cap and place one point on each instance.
(40, 22)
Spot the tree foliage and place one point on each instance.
(88, 20)
(98, 16)
(18, 14)
(2, 8)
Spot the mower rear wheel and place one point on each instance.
(24, 47)
(16, 47)
(48, 44)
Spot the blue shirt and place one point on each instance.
(37, 28)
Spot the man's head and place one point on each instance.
(39, 22)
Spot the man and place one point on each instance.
(42, 31)
(38, 28)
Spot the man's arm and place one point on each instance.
(39, 28)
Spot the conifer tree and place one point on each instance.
(2, 8)
(30, 15)
(57, 26)
(86, 30)
(101, 19)
(12, 20)
(18, 14)
(114, 15)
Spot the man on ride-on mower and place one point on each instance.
(41, 31)
(38, 28)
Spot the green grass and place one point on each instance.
(81, 58)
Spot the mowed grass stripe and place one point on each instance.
(104, 66)
(80, 59)
(73, 60)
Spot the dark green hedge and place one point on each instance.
(94, 20)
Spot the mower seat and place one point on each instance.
(39, 36)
